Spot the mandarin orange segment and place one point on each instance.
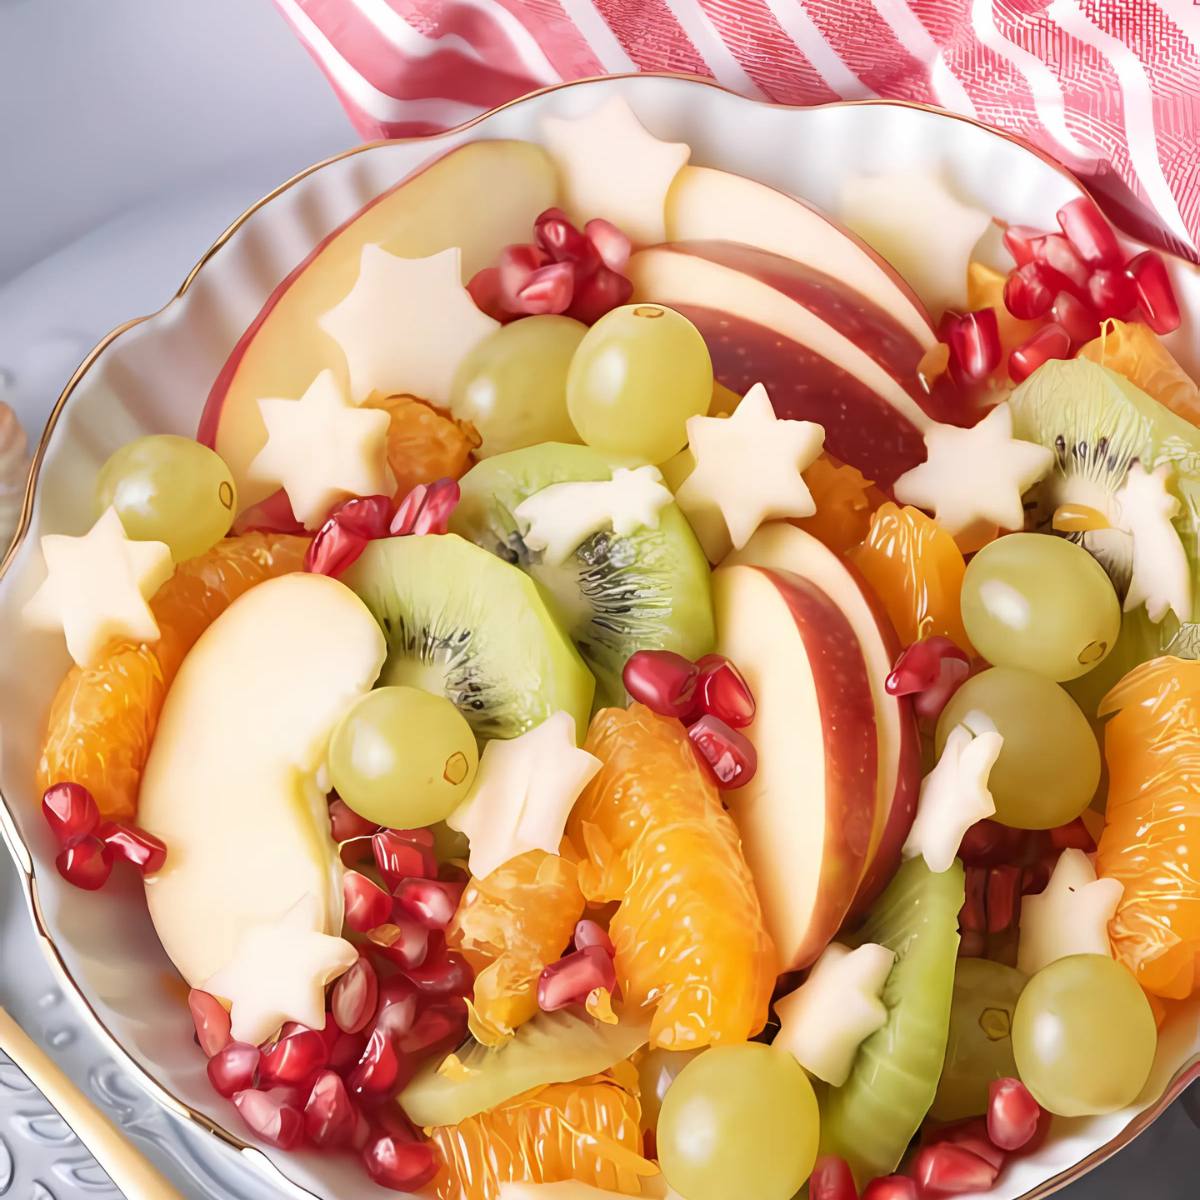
(1134, 350)
(845, 499)
(1151, 838)
(509, 925)
(588, 1131)
(102, 718)
(424, 443)
(917, 570)
(689, 933)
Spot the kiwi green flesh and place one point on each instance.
(870, 1120)
(615, 595)
(461, 623)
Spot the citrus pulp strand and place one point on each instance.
(845, 499)
(424, 443)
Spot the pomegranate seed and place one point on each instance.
(71, 813)
(588, 933)
(1075, 317)
(891, 1187)
(484, 287)
(1073, 836)
(295, 1058)
(1003, 897)
(1051, 341)
(429, 902)
(1029, 291)
(557, 236)
(86, 864)
(950, 1170)
(1155, 295)
(517, 264)
(211, 1019)
(831, 1179)
(405, 943)
(442, 973)
(549, 289)
(972, 917)
(427, 508)
(234, 1068)
(988, 843)
(441, 1026)
(1020, 239)
(971, 1135)
(401, 1166)
(930, 671)
(362, 1133)
(399, 856)
(1111, 292)
(613, 246)
(345, 824)
(354, 997)
(724, 692)
(974, 341)
(1035, 877)
(1091, 236)
(346, 1050)
(1058, 254)
(729, 755)
(665, 682)
(135, 846)
(330, 1118)
(366, 903)
(345, 534)
(600, 293)
(972, 944)
(1013, 1114)
(377, 1067)
(572, 978)
(273, 1119)
(396, 1008)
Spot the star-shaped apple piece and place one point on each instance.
(322, 449)
(279, 971)
(406, 325)
(825, 1020)
(1070, 917)
(954, 795)
(748, 470)
(523, 793)
(611, 166)
(1161, 578)
(97, 588)
(974, 478)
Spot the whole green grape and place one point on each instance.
(657, 1070)
(513, 386)
(169, 489)
(979, 1048)
(1049, 765)
(738, 1121)
(637, 377)
(1084, 1036)
(1040, 602)
(403, 757)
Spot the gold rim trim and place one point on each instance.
(19, 851)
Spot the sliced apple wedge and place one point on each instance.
(231, 782)
(807, 817)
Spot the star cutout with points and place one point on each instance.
(1161, 578)
(279, 971)
(523, 793)
(406, 325)
(748, 470)
(322, 450)
(611, 166)
(975, 477)
(97, 588)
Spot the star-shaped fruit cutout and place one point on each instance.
(1161, 578)
(748, 470)
(975, 478)
(954, 795)
(825, 1020)
(523, 793)
(1070, 917)
(97, 588)
(611, 166)
(561, 517)
(406, 324)
(279, 971)
(322, 449)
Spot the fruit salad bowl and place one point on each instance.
(175, 371)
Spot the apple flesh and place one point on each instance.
(806, 819)
(231, 782)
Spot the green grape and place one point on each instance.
(637, 376)
(170, 489)
(513, 386)
(739, 1120)
(980, 1045)
(403, 757)
(657, 1070)
(1049, 765)
(1084, 1036)
(1040, 602)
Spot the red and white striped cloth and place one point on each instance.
(1111, 88)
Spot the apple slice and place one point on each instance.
(783, 547)
(284, 349)
(807, 817)
(231, 782)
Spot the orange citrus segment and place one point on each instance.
(509, 925)
(102, 718)
(844, 497)
(424, 443)
(689, 932)
(1151, 838)
(1134, 350)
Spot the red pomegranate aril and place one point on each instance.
(1059, 255)
(930, 671)
(442, 973)
(588, 933)
(1111, 292)
(71, 813)
(86, 864)
(831, 1179)
(211, 1019)
(1073, 836)
(135, 846)
(517, 264)
(401, 1166)
(1091, 236)
(557, 236)
(400, 856)
(1029, 291)
(345, 534)
(484, 289)
(611, 244)
(271, 1118)
(549, 289)
(234, 1068)
(1075, 317)
(724, 692)
(947, 1169)
(1003, 897)
(1035, 877)
(1155, 295)
(891, 1187)
(346, 1050)
(971, 1135)
(573, 978)
(354, 998)
(1020, 240)
(404, 943)
(600, 293)
(330, 1118)
(972, 917)
(294, 1059)
(345, 824)
(1051, 341)
(1013, 1114)
(366, 903)
(396, 1007)
(426, 508)
(429, 902)
(988, 843)
(729, 756)
(377, 1067)
(441, 1026)
(665, 682)
(974, 341)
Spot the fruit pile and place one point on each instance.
(551, 765)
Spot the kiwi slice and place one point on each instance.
(872, 1117)
(463, 624)
(551, 1048)
(615, 595)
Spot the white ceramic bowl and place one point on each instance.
(153, 375)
